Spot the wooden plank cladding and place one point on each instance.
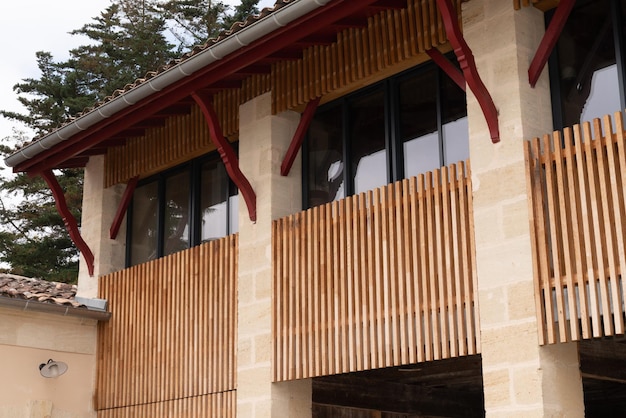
(182, 138)
(380, 279)
(222, 404)
(391, 37)
(172, 334)
(577, 203)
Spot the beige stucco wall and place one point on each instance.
(28, 339)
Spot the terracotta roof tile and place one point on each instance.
(19, 287)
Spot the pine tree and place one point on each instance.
(125, 42)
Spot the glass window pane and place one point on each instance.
(418, 123)
(214, 205)
(325, 157)
(587, 71)
(144, 224)
(367, 137)
(454, 122)
(176, 229)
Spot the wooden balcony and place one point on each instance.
(169, 348)
(381, 279)
(577, 203)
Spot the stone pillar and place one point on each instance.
(521, 378)
(263, 140)
(99, 207)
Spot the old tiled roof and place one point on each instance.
(196, 50)
(18, 287)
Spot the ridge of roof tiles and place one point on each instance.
(38, 290)
(236, 27)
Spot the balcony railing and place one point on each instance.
(380, 279)
(170, 344)
(577, 204)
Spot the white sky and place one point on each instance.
(28, 26)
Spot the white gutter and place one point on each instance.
(232, 43)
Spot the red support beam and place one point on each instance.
(123, 207)
(298, 137)
(468, 65)
(226, 153)
(68, 218)
(550, 37)
(450, 69)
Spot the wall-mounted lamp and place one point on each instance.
(52, 368)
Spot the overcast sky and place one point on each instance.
(28, 26)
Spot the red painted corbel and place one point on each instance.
(123, 207)
(450, 69)
(298, 137)
(550, 37)
(68, 218)
(226, 153)
(468, 65)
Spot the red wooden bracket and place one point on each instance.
(226, 153)
(468, 65)
(450, 69)
(123, 207)
(550, 37)
(68, 218)
(298, 137)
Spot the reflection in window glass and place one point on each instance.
(176, 232)
(604, 97)
(213, 206)
(144, 224)
(233, 207)
(325, 158)
(455, 130)
(418, 123)
(367, 135)
(587, 75)
(181, 208)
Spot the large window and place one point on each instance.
(586, 68)
(408, 124)
(180, 208)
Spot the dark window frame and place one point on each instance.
(194, 170)
(394, 146)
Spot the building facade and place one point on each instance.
(347, 209)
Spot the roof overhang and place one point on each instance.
(287, 30)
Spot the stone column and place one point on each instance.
(521, 378)
(99, 207)
(263, 140)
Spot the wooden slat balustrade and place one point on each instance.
(577, 204)
(170, 344)
(380, 279)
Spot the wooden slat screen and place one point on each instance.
(222, 405)
(172, 332)
(391, 37)
(379, 279)
(577, 203)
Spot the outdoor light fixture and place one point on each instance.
(52, 368)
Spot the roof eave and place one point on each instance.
(214, 53)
